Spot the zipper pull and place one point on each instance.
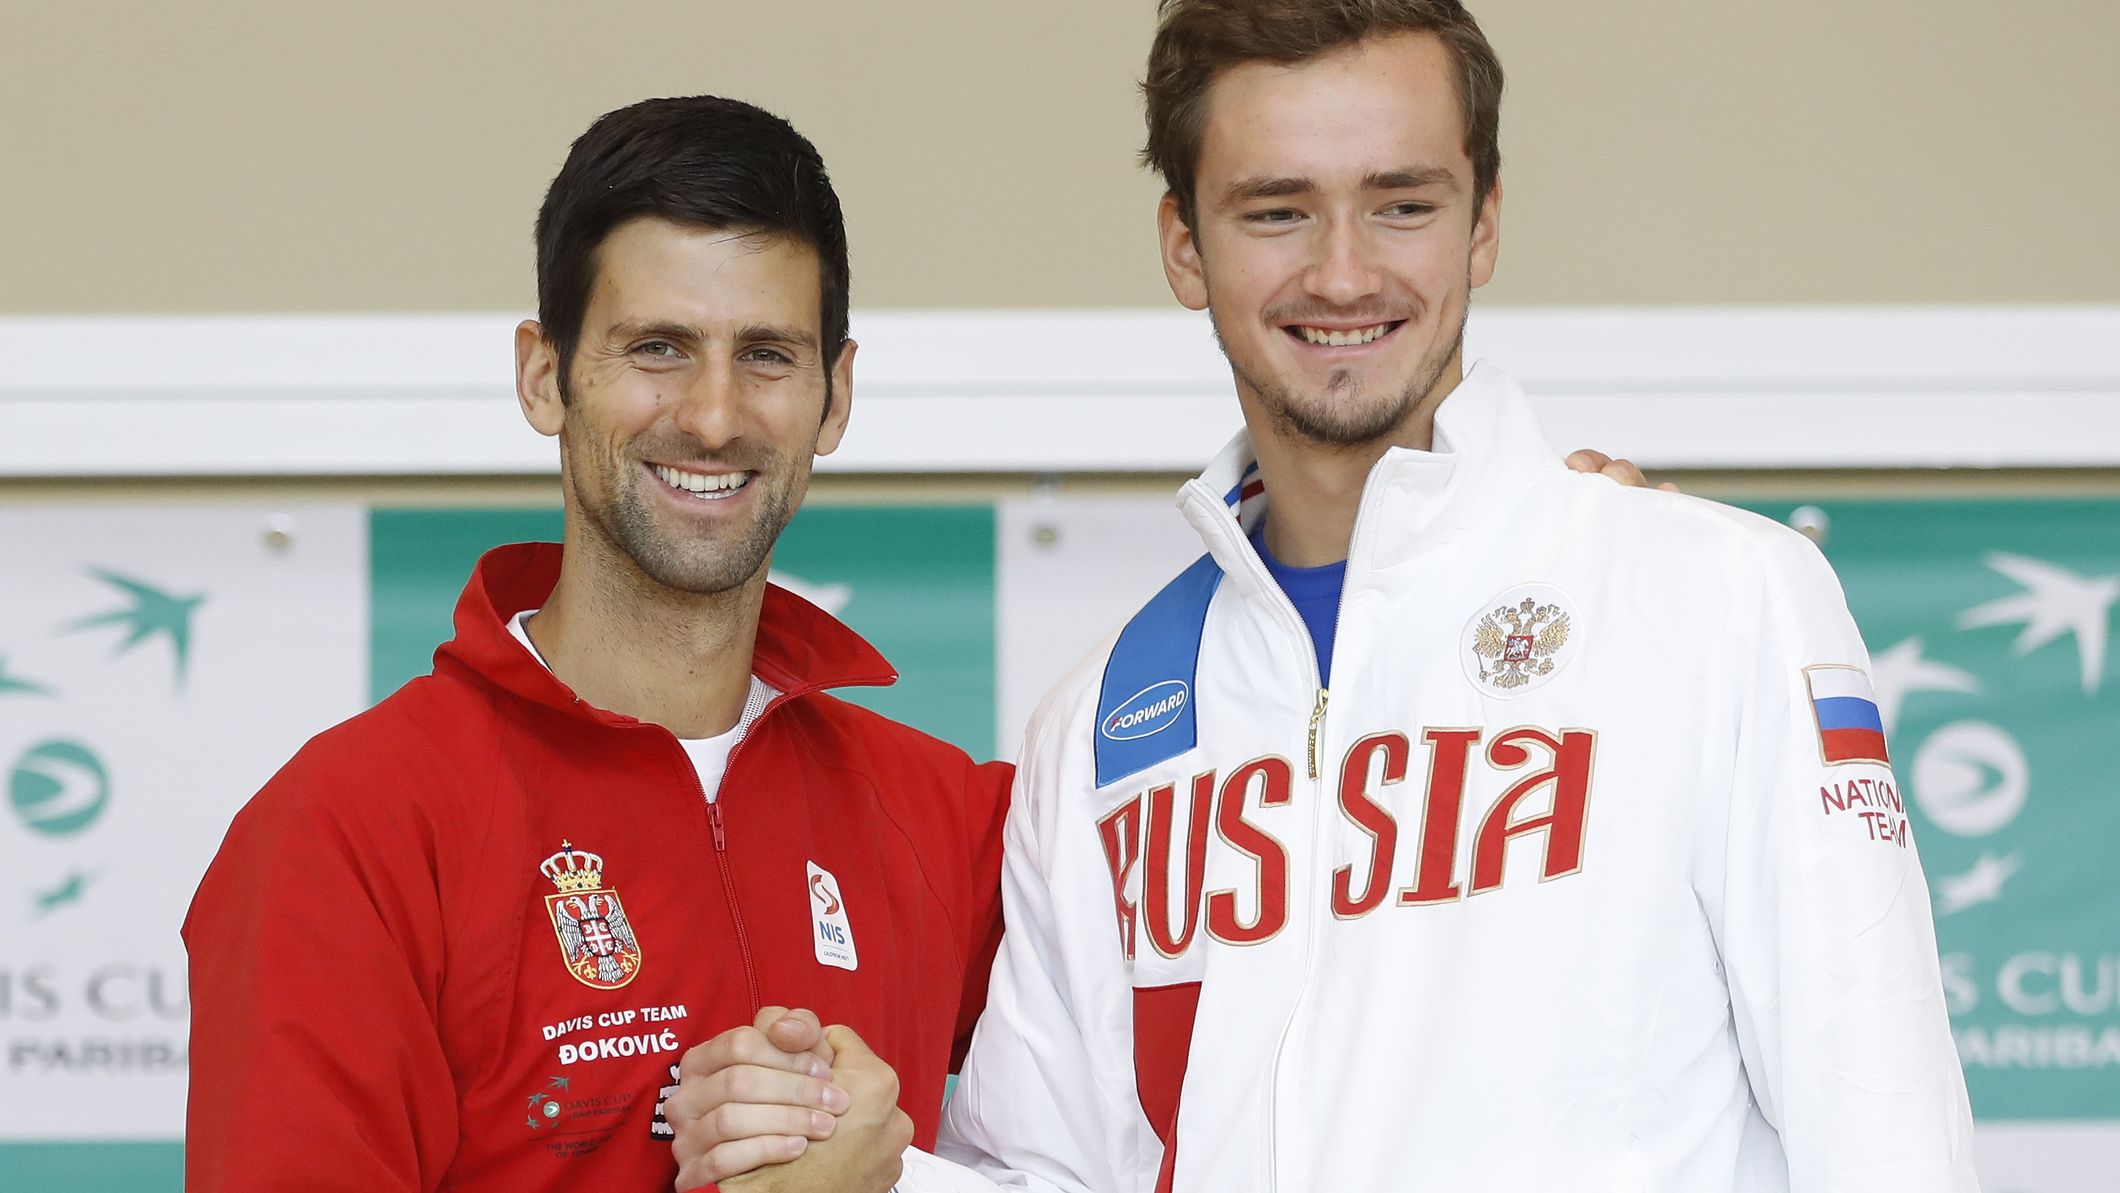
(721, 843)
(1317, 718)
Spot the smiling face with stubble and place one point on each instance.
(1337, 237)
(696, 400)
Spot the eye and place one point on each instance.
(657, 348)
(1273, 215)
(1409, 210)
(769, 356)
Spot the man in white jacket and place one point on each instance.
(1456, 822)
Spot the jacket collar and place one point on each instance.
(800, 648)
(1488, 447)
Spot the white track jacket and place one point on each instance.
(1587, 871)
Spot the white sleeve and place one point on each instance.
(1028, 1112)
(925, 1173)
(1823, 918)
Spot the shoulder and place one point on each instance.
(1069, 708)
(864, 739)
(1154, 650)
(368, 814)
(424, 756)
(1732, 572)
(916, 775)
(1655, 527)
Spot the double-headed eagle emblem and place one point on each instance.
(1515, 644)
(595, 939)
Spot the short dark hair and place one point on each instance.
(1199, 39)
(701, 159)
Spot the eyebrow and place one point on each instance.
(1408, 178)
(767, 333)
(1405, 178)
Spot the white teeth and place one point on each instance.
(702, 484)
(1326, 336)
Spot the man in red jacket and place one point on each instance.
(461, 940)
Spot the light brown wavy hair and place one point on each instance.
(1196, 40)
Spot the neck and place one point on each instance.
(628, 645)
(1317, 487)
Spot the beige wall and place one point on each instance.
(221, 155)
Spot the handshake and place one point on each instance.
(787, 1104)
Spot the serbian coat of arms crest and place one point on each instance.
(596, 941)
(1518, 640)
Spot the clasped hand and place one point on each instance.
(787, 1103)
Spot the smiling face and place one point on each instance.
(1338, 239)
(695, 403)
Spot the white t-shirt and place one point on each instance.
(710, 755)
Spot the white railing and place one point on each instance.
(1074, 391)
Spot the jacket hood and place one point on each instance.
(800, 648)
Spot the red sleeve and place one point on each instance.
(986, 807)
(315, 947)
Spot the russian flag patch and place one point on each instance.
(1845, 706)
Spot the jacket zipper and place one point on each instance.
(721, 844)
(721, 850)
(728, 886)
(1317, 721)
(1318, 800)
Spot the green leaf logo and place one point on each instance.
(151, 611)
(15, 684)
(58, 788)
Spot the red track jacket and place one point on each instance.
(461, 940)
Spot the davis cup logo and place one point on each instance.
(58, 788)
(1147, 712)
(595, 939)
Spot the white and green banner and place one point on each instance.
(156, 664)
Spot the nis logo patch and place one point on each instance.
(596, 939)
(830, 930)
(1147, 712)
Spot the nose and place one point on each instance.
(710, 406)
(1345, 271)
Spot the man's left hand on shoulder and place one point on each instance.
(1624, 471)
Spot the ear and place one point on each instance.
(1487, 236)
(1181, 256)
(537, 379)
(842, 407)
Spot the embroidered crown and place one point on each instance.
(574, 869)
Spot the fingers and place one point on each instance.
(731, 1121)
(868, 1079)
(732, 1159)
(850, 1046)
(753, 1085)
(748, 1046)
(1625, 473)
(796, 1031)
